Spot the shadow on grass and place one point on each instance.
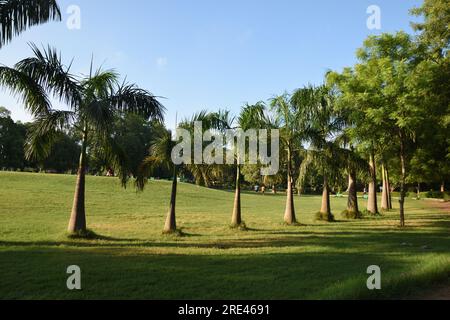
(40, 274)
(398, 240)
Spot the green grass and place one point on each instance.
(133, 260)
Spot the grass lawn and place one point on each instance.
(212, 261)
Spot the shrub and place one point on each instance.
(351, 214)
(435, 195)
(320, 216)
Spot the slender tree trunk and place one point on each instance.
(418, 190)
(372, 205)
(171, 223)
(352, 203)
(443, 186)
(77, 222)
(385, 193)
(326, 207)
(236, 219)
(289, 214)
(402, 180)
(388, 182)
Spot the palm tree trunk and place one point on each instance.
(372, 205)
(171, 224)
(326, 207)
(385, 193)
(289, 213)
(77, 222)
(402, 180)
(352, 203)
(236, 219)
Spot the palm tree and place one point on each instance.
(18, 15)
(287, 112)
(161, 156)
(251, 117)
(203, 173)
(325, 154)
(94, 102)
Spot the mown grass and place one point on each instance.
(131, 259)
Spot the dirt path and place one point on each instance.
(443, 206)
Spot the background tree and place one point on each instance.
(12, 140)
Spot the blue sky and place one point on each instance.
(211, 54)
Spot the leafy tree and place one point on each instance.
(382, 90)
(64, 154)
(95, 101)
(431, 159)
(12, 140)
(18, 15)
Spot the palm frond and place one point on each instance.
(43, 132)
(31, 93)
(98, 116)
(18, 15)
(100, 85)
(130, 98)
(47, 70)
(160, 155)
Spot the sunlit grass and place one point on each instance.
(132, 259)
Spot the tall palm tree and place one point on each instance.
(161, 156)
(94, 102)
(324, 124)
(287, 112)
(203, 173)
(251, 117)
(17, 16)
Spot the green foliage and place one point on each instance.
(18, 15)
(351, 214)
(12, 139)
(323, 216)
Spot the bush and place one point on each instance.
(351, 214)
(320, 216)
(436, 195)
(368, 213)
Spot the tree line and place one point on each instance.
(382, 122)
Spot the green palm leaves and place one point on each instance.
(18, 15)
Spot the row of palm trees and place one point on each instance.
(308, 117)
(94, 101)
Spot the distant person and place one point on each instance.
(263, 189)
(256, 188)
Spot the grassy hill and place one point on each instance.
(134, 260)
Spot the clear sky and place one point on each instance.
(211, 54)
